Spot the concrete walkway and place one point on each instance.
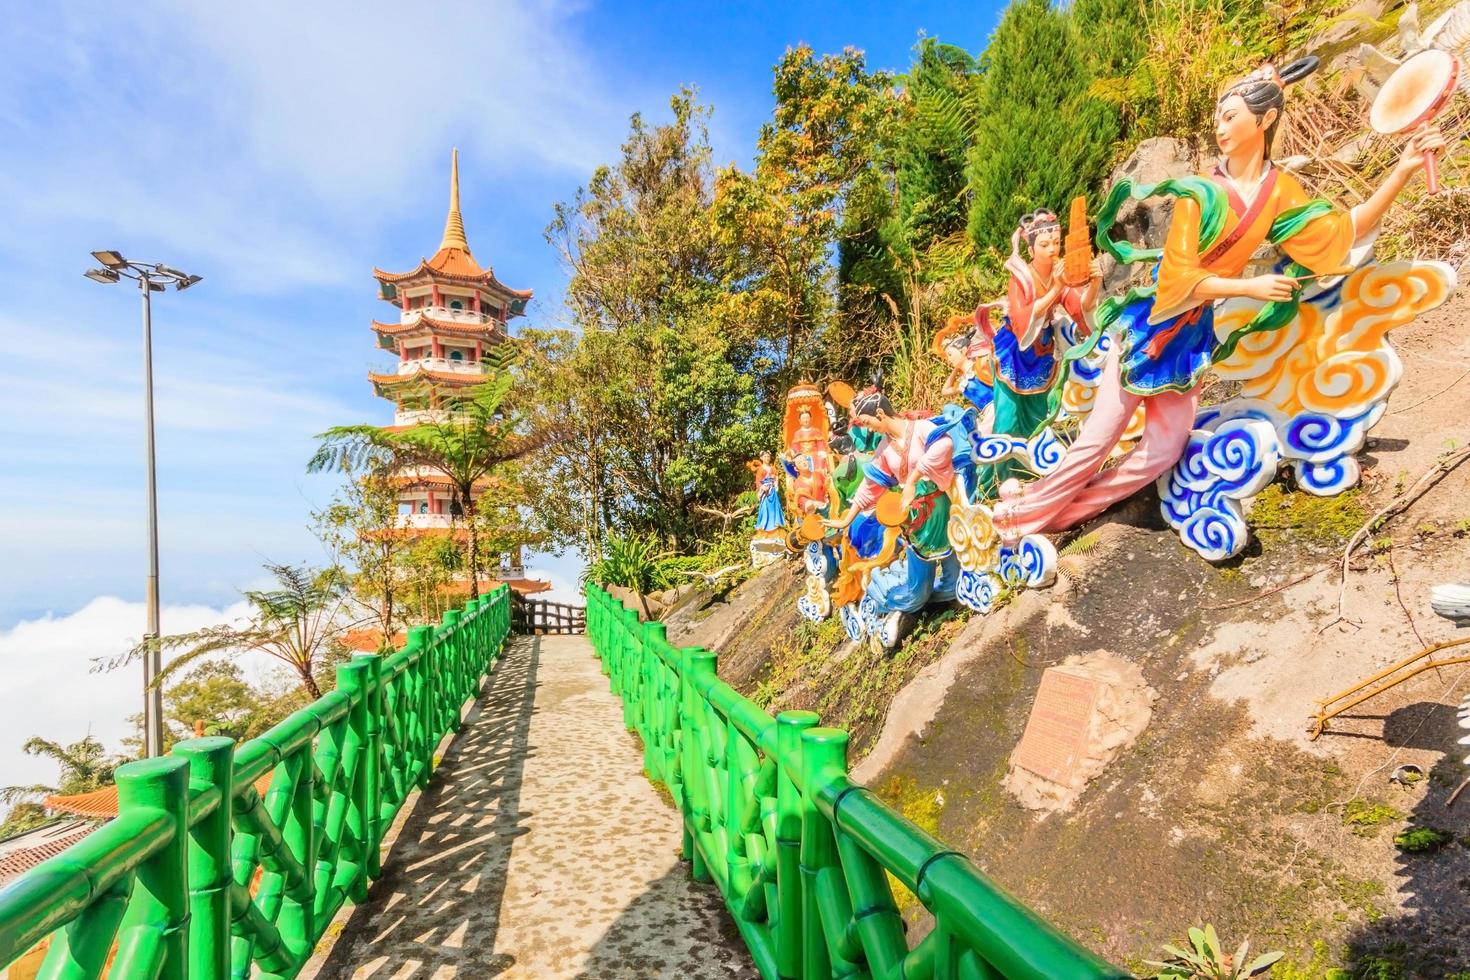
(539, 850)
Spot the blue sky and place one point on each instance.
(281, 151)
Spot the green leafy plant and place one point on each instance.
(1421, 840)
(299, 623)
(474, 440)
(1206, 960)
(632, 562)
(1364, 817)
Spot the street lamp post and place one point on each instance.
(151, 278)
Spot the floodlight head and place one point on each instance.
(101, 275)
(110, 258)
(186, 282)
(156, 287)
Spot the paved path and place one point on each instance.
(539, 850)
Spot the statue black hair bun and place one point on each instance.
(1299, 69)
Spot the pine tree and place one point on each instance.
(1114, 34)
(1040, 137)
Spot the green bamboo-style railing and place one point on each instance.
(168, 883)
(798, 849)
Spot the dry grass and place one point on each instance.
(1326, 120)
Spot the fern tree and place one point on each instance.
(299, 623)
(83, 766)
(1040, 137)
(466, 445)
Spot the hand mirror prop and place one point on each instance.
(1417, 91)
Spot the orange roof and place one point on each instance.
(453, 263)
(370, 640)
(433, 479)
(451, 378)
(525, 586)
(460, 534)
(102, 803)
(40, 845)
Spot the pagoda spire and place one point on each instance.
(454, 224)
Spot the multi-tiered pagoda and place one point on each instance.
(451, 314)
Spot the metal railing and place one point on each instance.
(417, 520)
(449, 364)
(165, 889)
(798, 849)
(449, 314)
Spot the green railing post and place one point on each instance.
(211, 782)
(421, 638)
(698, 664)
(453, 662)
(352, 681)
(823, 757)
(655, 638)
(789, 812)
(373, 746)
(153, 939)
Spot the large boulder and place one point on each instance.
(1146, 223)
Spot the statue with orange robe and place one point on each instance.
(1166, 332)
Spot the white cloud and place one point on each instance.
(268, 141)
(49, 689)
(562, 571)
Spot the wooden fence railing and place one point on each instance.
(540, 617)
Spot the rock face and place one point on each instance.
(654, 605)
(1089, 708)
(1145, 223)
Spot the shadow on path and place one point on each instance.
(436, 910)
(540, 850)
(1430, 936)
(640, 946)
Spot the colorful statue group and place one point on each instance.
(1064, 405)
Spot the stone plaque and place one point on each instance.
(1055, 740)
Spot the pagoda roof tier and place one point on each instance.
(101, 804)
(454, 264)
(425, 376)
(525, 586)
(438, 480)
(450, 267)
(427, 325)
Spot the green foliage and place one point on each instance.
(906, 262)
(216, 695)
(1364, 817)
(298, 623)
(1114, 34)
(1205, 959)
(1194, 47)
(1040, 137)
(1316, 968)
(659, 400)
(1421, 840)
(432, 564)
(82, 766)
(632, 562)
(1376, 967)
(372, 562)
(483, 429)
(22, 817)
(1280, 516)
(779, 223)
